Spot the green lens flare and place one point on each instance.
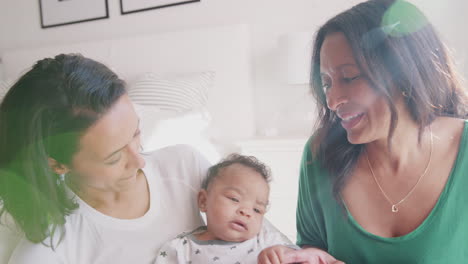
(403, 18)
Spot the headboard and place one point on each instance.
(224, 50)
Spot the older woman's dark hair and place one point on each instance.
(248, 161)
(399, 52)
(43, 116)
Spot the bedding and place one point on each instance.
(225, 50)
(176, 92)
(173, 110)
(161, 128)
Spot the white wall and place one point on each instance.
(277, 104)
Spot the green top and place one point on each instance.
(441, 238)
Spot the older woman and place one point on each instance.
(383, 179)
(72, 176)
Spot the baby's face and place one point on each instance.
(235, 203)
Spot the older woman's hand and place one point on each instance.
(309, 256)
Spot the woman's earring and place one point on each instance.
(61, 178)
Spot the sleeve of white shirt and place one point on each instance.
(272, 236)
(30, 253)
(9, 237)
(168, 253)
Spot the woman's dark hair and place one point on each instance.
(398, 52)
(248, 161)
(43, 116)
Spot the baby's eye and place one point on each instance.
(350, 79)
(233, 199)
(258, 211)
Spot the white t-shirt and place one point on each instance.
(186, 248)
(174, 176)
(10, 235)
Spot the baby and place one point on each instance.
(234, 197)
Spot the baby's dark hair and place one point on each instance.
(248, 161)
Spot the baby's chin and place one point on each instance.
(229, 235)
(237, 238)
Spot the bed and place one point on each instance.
(214, 62)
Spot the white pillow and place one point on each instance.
(161, 128)
(178, 92)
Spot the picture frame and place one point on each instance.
(54, 13)
(133, 6)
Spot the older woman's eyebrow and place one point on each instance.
(340, 69)
(341, 66)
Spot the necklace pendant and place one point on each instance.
(394, 208)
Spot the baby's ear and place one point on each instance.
(202, 198)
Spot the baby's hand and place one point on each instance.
(273, 255)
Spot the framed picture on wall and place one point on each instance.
(132, 6)
(64, 12)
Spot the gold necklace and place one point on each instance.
(395, 206)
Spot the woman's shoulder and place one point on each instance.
(176, 155)
(27, 252)
(180, 160)
(16, 248)
(173, 153)
(10, 235)
(307, 147)
(450, 125)
(312, 173)
(309, 156)
(449, 133)
(450, 141)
